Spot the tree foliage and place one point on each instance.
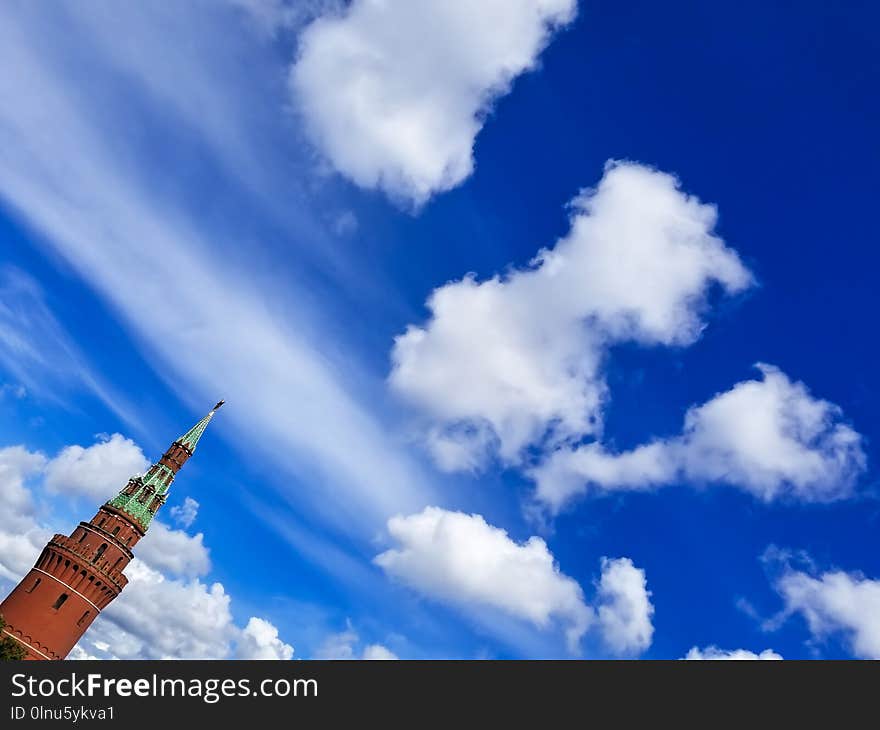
(10, 649)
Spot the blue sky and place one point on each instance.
(256, 200)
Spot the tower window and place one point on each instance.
(83, 536)
(116, 530)
(128, 541)
(60, 602)
(101, 523)
(36, 583)
(100, 551)
(83, 618)
(115, 565)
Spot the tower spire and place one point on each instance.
(191, 438)
(143, 495)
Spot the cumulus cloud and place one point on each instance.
(21, 535)
(835, 602)
(78, 653)
(624, 607)
(345, 645)
(157, 617)
(259, 640)
(174, 551)
(98, 471)
(769, 437)
(339, 645)
(17, 465)
(161, 618)
(388, 102)
(517, 360)
(185, 514)
(714, 653)
(462, 560)
(377, 652)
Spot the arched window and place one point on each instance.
(83, 618)
(36, 583)
(100, 551)
(101, 523)
(60, 602)
(128, 540)
(116, 564)
(83, 536)
(116, 530)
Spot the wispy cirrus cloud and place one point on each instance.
(208, 325)
(38, 352)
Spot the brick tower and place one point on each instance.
(77, 576)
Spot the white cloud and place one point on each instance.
(769, 437)
(259, 640)
(344, 645)
(185, 514)
(338, 646)
(17, 465)
(157, 617)
(835, 602)
(517, 359)
(377, 652)
(714, 653)
(174, 551)
(78, 653)
(394, 93)
(462, 560)
(98, 471)
(624, 607)
(21, 536)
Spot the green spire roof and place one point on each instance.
(135, 499)
(191, 438)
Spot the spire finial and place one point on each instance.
(191, 438)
